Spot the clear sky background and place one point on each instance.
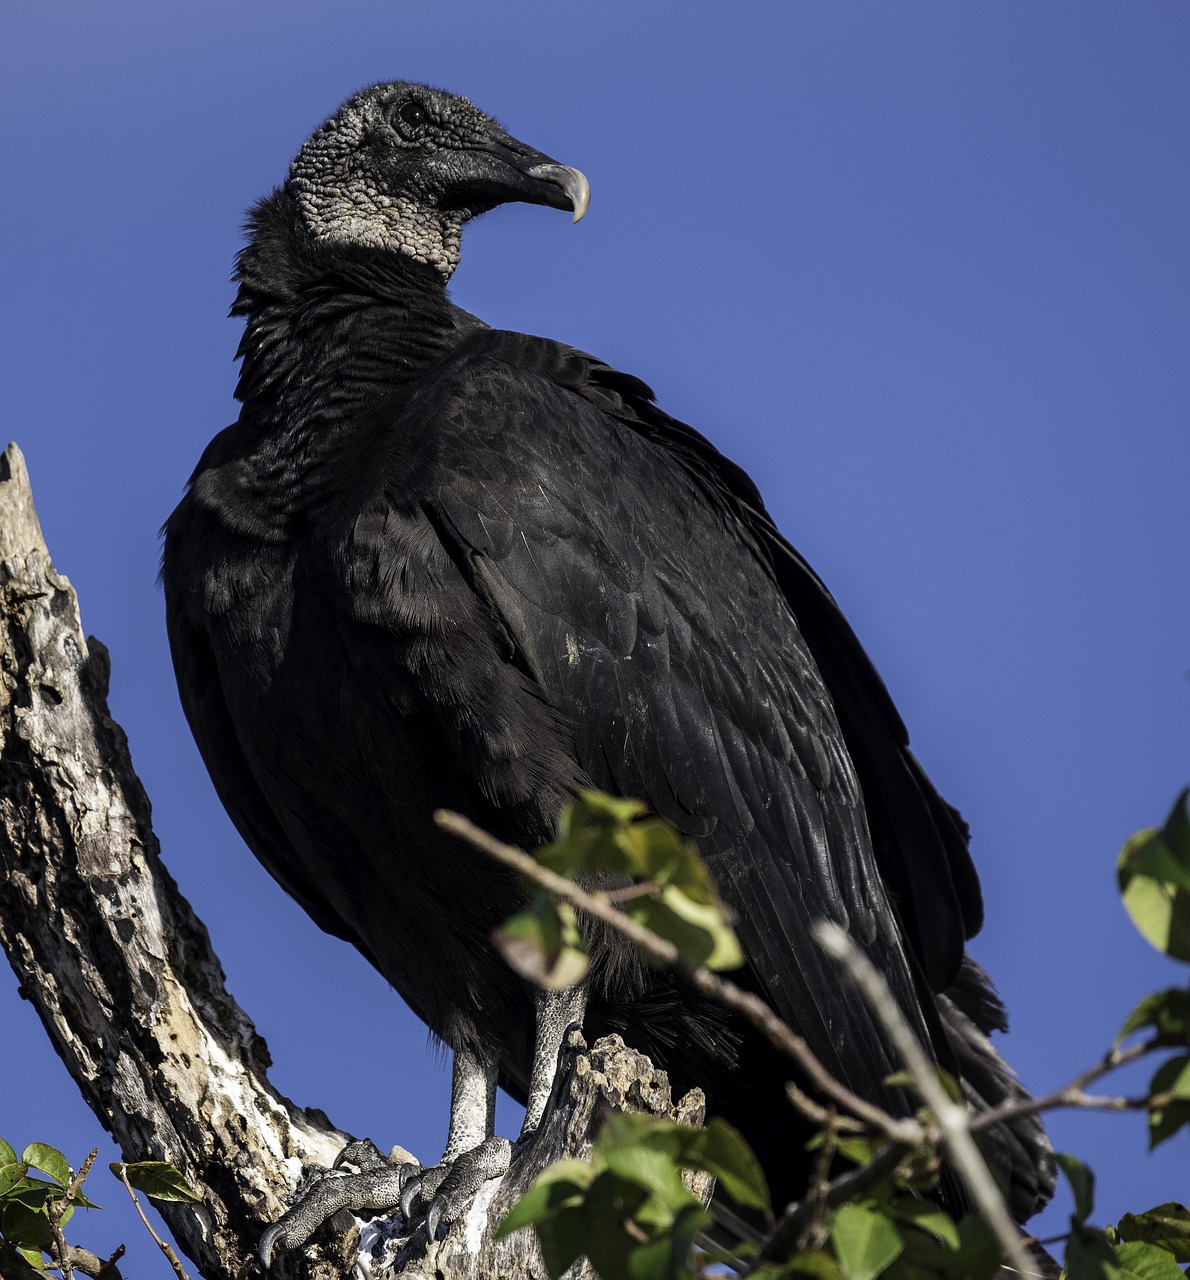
(923, 268)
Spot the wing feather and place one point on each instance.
(651, 614)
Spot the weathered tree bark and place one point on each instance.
(122, 973)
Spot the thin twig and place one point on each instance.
(79, 1178)
(784, 1238)
(91, 1264)
(817, 1114)
(56, 1209)
(641, 889)
(815, 1233)
(952, 1118)
(1072, 1095)
(710, 984)
(161, 1244)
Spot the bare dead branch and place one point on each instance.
(123, 977)
(1073, 1094)
(119, 969)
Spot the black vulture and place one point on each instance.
(438, 565)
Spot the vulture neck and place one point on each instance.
(330, 332)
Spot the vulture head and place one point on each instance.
(403, 166)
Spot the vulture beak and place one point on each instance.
(574, 184)
(501, 169)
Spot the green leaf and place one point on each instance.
(49, 1160)
(563, 1239)
(627, 1128)
(1090, 1256)
(27, 1224)
(1171, 1077)
(904, 1080)
(667, 859)
(599, 809)
(543, 944)
(652, 1260)
(1177, 830)
(722, 1152)
(652, 1171)
(1139, 1261)
(978, 1257)
(33, 1191)
(859, 1148)
(816, 1264)
(925, 1258)
(1167, 1012)
(160, 1180)
(11, 1174)
(1154, 874)
(689, 1221)
(664, 1257)
(926, 1216)
(593, 828)
(562, 1185)
(1167, 1225)
(33, 1258)
(865, 1241)
(7, 1154)
(699, 931)
(1082, 1183)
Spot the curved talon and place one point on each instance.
(421, 1185)
(408, 1193)
(264, 1250)
(434, 1214)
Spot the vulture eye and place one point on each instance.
(410, 116)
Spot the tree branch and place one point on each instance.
(117, 965)
(123, 977)
(1073, 1095)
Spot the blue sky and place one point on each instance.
(922, 268)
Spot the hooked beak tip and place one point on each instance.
(573, 182)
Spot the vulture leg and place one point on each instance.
(472, 1104)
(557, 1011)
(473, 1153)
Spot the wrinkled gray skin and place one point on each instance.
(402, 168)
(367, 177)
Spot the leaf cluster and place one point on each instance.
(1154, 875)
(657, 879)
(903, 1237)
(630, 1210)
(32, 1207)
(29, 1205)
(1143, 1246)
